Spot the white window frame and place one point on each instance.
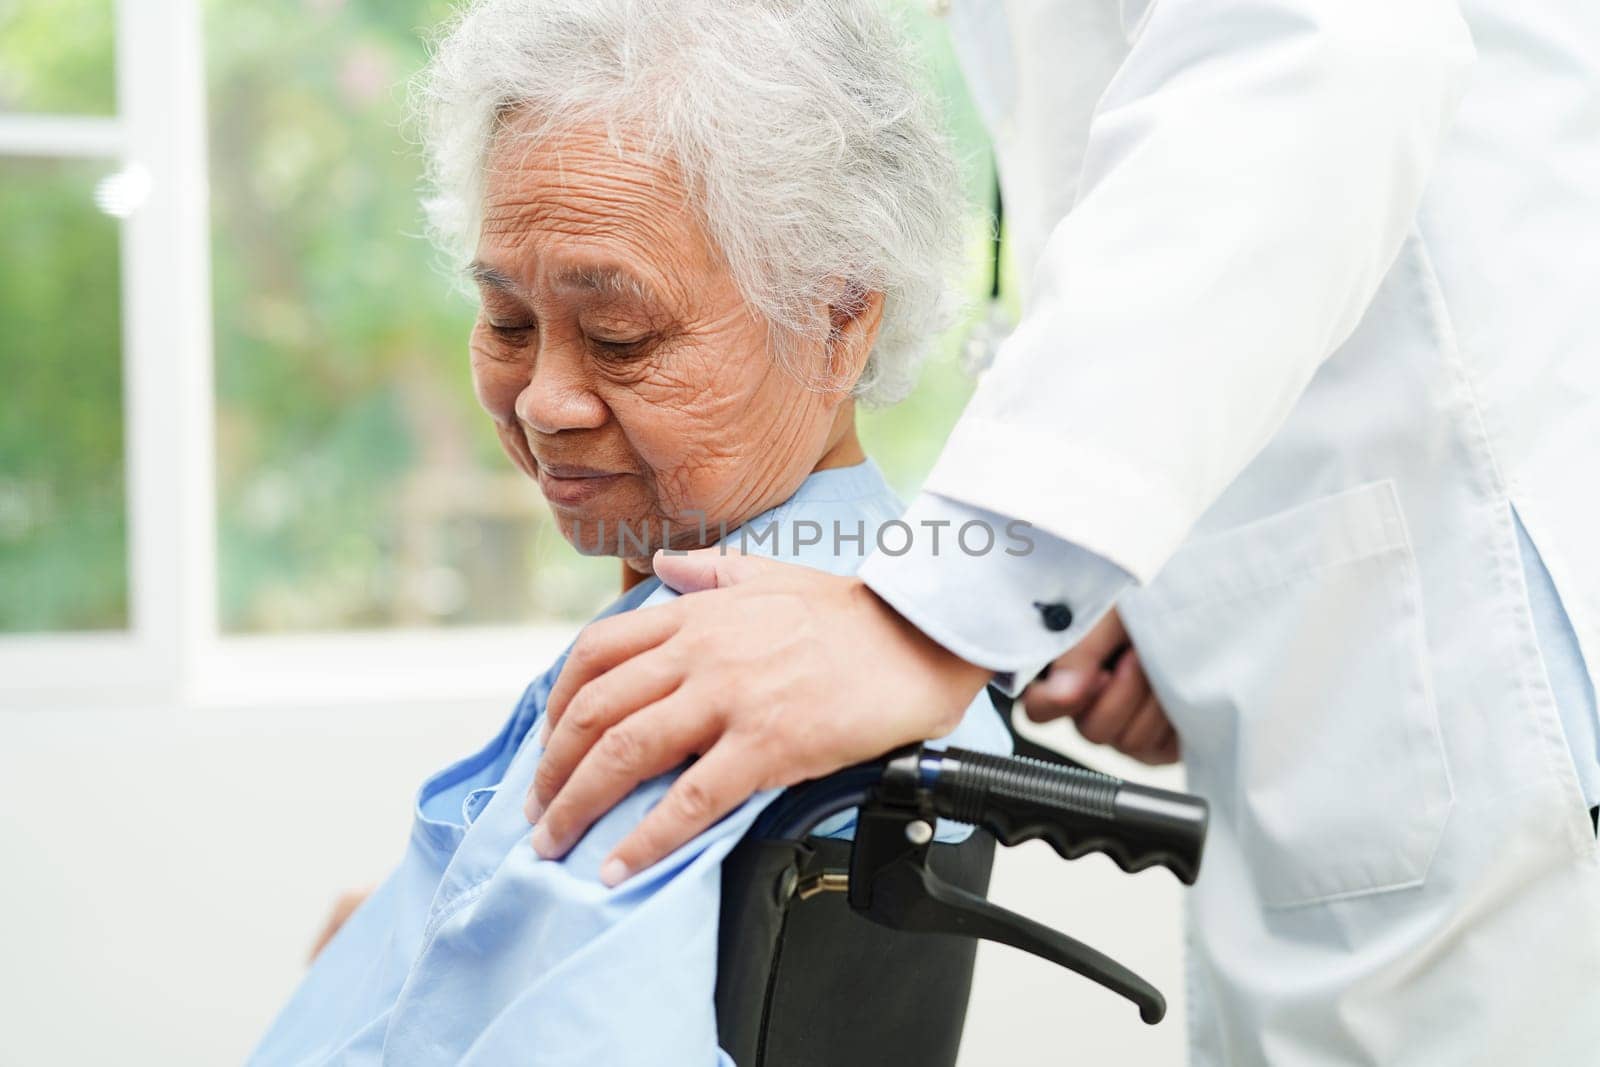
(173, 651)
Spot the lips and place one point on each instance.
(570, 485)
(572, 470)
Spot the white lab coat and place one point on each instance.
(1311, 308)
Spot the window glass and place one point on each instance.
(63, 538)
(57, 56)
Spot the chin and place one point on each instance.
(606, 532)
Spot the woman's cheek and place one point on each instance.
(496, 390)
(516, 446)
(495, 382)
(691, 430)
(706, 485)
(654, 432)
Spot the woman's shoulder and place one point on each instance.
(832, 522)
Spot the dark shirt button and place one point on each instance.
(1056, 616)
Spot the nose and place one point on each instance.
(560, 394)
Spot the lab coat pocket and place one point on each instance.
(1291, 654)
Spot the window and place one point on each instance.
(63, 538)
(241, 454)
(57, 57)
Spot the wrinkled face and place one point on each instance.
(622, 368)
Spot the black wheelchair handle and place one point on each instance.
(1077, 811)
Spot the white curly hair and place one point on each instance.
(800, 128)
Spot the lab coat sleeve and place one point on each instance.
(1250, 174)
(977, 582)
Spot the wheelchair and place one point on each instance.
(857, 953)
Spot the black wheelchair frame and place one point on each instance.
(814, 962)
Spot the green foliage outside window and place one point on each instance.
(63, 534)
(63, 527)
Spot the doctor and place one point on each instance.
(1308, 383)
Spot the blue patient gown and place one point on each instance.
(475, 950)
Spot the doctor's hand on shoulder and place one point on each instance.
(1100, 685)
(770, 673)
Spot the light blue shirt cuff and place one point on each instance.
(988, 587)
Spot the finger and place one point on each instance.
(343, 908)
(707, 790)
(1063, 693)
(1145, 730)
(1169, 750)
(601, 646)
(329, 928)
(1117, 703)
(597, 707)
(707, 568)
(1102, 641)
(640, 747)
(1078, 668)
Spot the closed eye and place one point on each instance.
(623, 347)
(513, 331)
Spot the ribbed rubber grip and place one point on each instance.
(1077, 811)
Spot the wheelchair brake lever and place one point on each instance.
(891, 884)
(899, 799)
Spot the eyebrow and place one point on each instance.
(486, 275)
(612, 282)
(606, 282)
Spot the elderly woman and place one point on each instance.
(700, 231)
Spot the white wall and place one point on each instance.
(162, 873)
(1028, 1013)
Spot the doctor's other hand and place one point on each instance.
(343, 908)
(1100, 685)
(769, 673)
